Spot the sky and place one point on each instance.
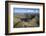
(26, 10)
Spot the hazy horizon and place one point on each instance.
(26, 10)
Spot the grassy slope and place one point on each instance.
(19, 23)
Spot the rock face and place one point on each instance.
(25, 19)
